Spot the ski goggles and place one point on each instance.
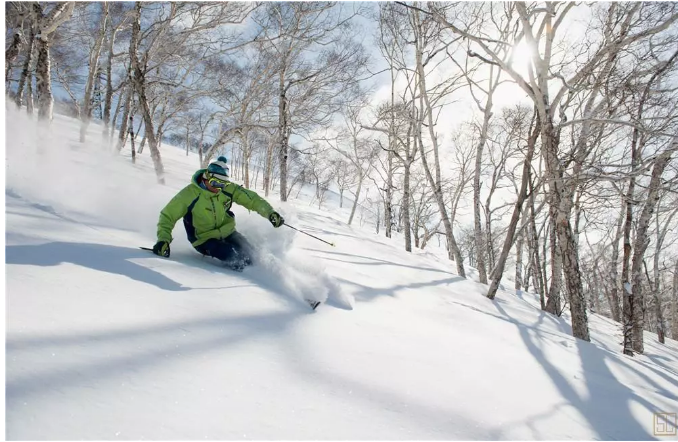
(217, 182)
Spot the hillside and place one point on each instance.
(106, 341)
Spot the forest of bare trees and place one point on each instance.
(533, 141)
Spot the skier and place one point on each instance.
(210, 225)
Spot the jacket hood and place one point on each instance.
(196, 177)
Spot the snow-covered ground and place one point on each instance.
(106, 341)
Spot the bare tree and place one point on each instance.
(309, 88)
(93, 69)
(508, 242)
(17, 18)
(655, 283)
(47, 23)
(182, 28)
(423, 210)
(248, 99)
(65, 84)
(119, 19)
(613, 280)
(633, 307)
(636, 300)
(28, 15)
(319, 170)
(425, 35)
(43, 24)
(674, 313)
(343, 177)
(486, 89)
(353, 145)
(11, 54)
(542, 36)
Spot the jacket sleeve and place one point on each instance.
(249, 200)
(172, 212)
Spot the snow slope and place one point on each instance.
(106, 341)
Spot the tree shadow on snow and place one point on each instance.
(130, 350)
(101, 257)
(366, 293)
(371, 261)
(606, 405)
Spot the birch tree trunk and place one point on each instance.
(10, 55)
(355, 200)
(517, 209)
(661, 236)
(132, 136)
(283, 130)
(407, 194)
(43, 79)
(388, 195)
(563, 228)
(519, 259)
(627, 300)
(188, 134)
(109, 85)
(268, 167)
(392, 141)
(533, 241)
(26, 75)
(630, 304)
(477, 225)
(140, 86)
(674, 315)
(406, 209)
(143, 142)
(453, 249)
(93, 68)
(661, 329)
(29, 93)
(483, 244)
(117, 111)
(246, 152)
(614, 265)
(47, 25)
(126, 106)
(553, 296)
(640, 246)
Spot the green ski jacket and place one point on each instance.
(205, 213)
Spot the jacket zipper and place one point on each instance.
(214, 212)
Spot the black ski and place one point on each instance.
(314, 304)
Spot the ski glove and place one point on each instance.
(276, 219)
(162, 248)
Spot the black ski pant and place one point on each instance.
(234, 249)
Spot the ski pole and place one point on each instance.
(326, 242)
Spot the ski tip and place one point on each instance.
(313, 304)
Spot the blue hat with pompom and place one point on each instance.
(218, 169)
